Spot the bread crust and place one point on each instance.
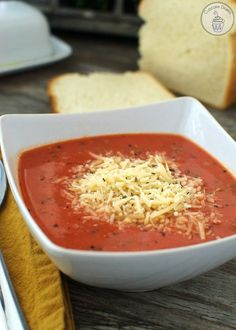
(51, 95)
(140, 5)
(230, 94)
(53, 99)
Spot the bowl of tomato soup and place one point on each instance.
(133, 199)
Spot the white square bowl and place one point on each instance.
(132, 271)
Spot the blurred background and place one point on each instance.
(114, 17)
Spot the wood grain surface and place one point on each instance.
(203, 303)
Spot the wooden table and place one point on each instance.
(204, 303)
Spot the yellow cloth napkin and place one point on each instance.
(41, 290)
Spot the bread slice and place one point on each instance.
(72, 93)
(175, 47)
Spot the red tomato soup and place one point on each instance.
(60, 187)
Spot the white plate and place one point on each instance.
(61, 50)
(132, 271)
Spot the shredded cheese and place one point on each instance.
(130, 188)
(150, 192)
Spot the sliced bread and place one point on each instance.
(175, 47)
(72, 93)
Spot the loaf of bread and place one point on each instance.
(187, 59)
(72, 93)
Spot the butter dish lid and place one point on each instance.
(25, 38)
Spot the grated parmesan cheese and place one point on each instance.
(130, 188)
(151, 193)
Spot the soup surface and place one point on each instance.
(57, 184)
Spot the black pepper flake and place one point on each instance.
(59, 146)
(55, 225)
(224, 171)
(96, 248)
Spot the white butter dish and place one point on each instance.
(25, 39)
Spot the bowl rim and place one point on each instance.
(48, 245)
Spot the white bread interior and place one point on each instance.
(72, 93)
(187, 59)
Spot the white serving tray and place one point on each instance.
(61, 50)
